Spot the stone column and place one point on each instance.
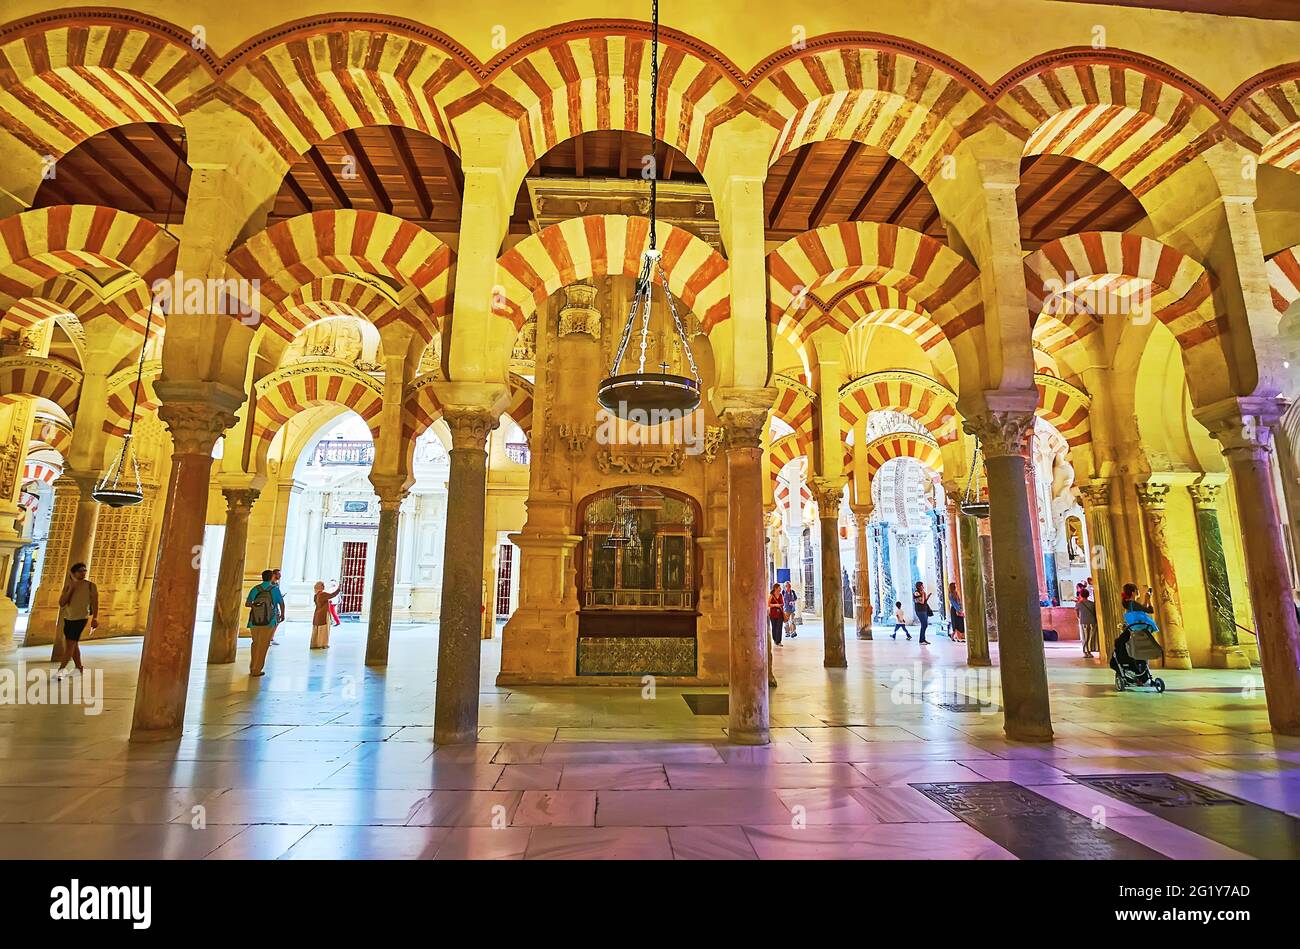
(1031, 492)
(863, 606)
(1244, 427)
(1152, 497)
(827, 493)
(161, 688)
(228, 605)
(43, 621)
(1004, 434)
(455, 719)
(82, 544)
(1103, 560)
(381, 590)
(972, 590)
(1225, 652)
(747, 573)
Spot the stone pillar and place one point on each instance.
(1004, 434)
(82, 544)
(43, 621)
(972, 590)
(1225, 652)
(827, 492)
(1152, 497)
(455, 718)
(863, 605)
(747, 572)
(1244, 427)
(1031, 492)
(228, 605)
(381, 590)
(163, 681)
(1103, 561)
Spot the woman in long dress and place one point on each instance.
(320, 619)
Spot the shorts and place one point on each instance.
(73, 628)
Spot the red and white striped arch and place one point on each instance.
(786, 449)
(795, 402)
(31, 377)
(37, 246)
(1270, 117)
(286, 392)
(1112, 267)
(922, 449)
(121, 396)
(126, 302)
(918, 396)
(299, 251)
(42, 471)
(64, 82)
(520, 407)
(583, 83)
(350, 295)
(51, 434)
(1284, 277)
(606, 245)
(1065, 406)
(1127, 120)
(935, 276)
(885, 98)
(325, 79)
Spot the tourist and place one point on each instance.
(921, 607)
(1130, 603)
(334, 609)
(320, 619)
(958, 614)
(900, 621)
(265, 612)
(790, 599)
(1086, 610)
(78, 605)
(776, 611)
(275, 578)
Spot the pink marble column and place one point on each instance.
(1031, 492)
(161, 688)
(1103, 558)
(1004, 436)
(746, 578)
(455, 715)
(228, 608)
(1152, 497)
(828, 493)
(862, 570)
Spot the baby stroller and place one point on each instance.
(1135, 647)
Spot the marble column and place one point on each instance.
(228, 605)
(1103, 561)
(385, 578)
(1031, 492)
(161, 688)
(82, 544)
(972, 590)
(1225, 651)
(828, 493)
(1004, 434)
(1152, 497)
(864, 607)
(746, 576)
(1245, 429)
(43, 622)
(455, 717)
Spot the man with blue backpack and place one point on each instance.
(265, 613)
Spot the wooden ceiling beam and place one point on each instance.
(366, 172)
(145, 162)
(833, 184)
(455, 177)
(909, 199)
(327, 179)
(1065, 206)
(876, 184)
(579, 159)
(1086, 222)
(299, 195)
(1054, 183)
(90, 149)
(800, 157)
(410, 171)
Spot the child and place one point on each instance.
(320, 619)
(900, 621)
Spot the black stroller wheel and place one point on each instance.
(1119, 682)
(1159, 684)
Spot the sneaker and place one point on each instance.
(909, 637)
(894, 635)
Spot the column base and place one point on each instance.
(864, 633)
(455, 736)
(1176, 662)
(143, 735)
(979, 663)
(757, 736)
(1229, 657)
(835, 663)
(1017, 733)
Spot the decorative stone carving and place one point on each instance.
(713, 439)
(743, 428)
(470, 427)
(655, 461)
(1094, 494)
(1152, 495)
(239, 501)
(578, 313)
(194, 426)
(827, 493)
(575, 437)
(1002, 432)
(1205, 496)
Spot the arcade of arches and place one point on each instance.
(370, 271)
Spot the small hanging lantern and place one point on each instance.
(635, 395)
(121, 485)
(971, 502)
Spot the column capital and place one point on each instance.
(391, 489)
(1243, 426)
(827, 494)
(743, 414)
(862, 513)
(1152, 495)
(1205, 495)
(1094, 494)
(470, 426)
(1002, 432)
(194, 426)
(240, 500)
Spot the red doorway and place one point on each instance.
(505, 568)
(353, 575)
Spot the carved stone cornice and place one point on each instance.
(239, 501)
(1205, 495)
(1152, 496)
(470, 427)
(1002, 433)
(827, 493)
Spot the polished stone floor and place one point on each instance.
(323, 758)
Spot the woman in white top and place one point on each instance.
(78, 605)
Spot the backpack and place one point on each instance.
(262, 609)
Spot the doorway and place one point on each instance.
(352, 577)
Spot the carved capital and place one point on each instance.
(1002, 432)
(1095, 494)
(1205, 495)
(827, 493)
(1152, 496)
(743, 428)
(470, 427)
(1243, 427)
(578, 314)
(239, 501)
(195, 426)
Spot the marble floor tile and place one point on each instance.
(887, 773)
(614, 777)
(682, 808)
(467, 808)
(780, 775)
(485, 843)
(528, 777)
(599, 843)
(833, 805)
(710, 843)
(260, 842)
(556, 808)
(368, 843)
